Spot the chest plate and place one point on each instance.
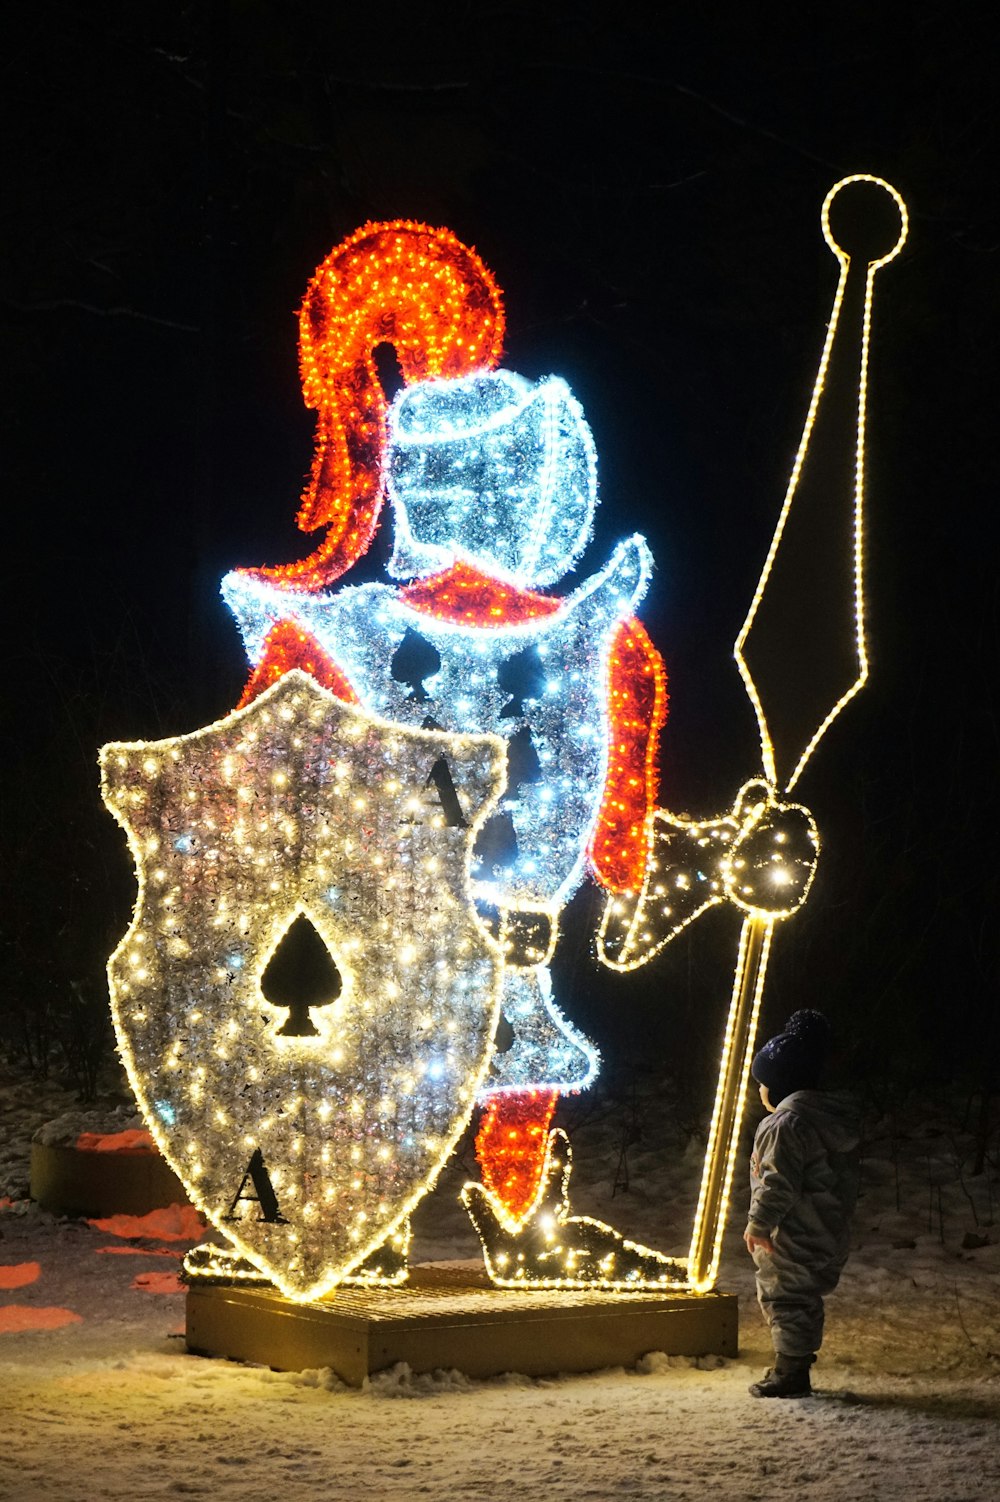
(540, 685)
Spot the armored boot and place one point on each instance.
(546, 1247)
(788, 1378)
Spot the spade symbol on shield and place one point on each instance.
(301, 974)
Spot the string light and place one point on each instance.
(493, 483)
(734, 1074)
(469, 597)
(592, 757)
(287, 647)
(756, 933)
(386, 1267)
(347, 791)
(547, 1051)
(511, 1148)
(307, 1152)
(768, 752)
(637, 710)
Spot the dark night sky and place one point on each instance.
(646, 189)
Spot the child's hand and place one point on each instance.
(764, 1243)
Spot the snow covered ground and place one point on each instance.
(104, 1402)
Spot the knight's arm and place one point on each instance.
(637, 711)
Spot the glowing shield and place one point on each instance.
(306, 1139)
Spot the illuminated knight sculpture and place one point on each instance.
(462, 732)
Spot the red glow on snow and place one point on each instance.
(175, 1223)
(158, 1283)
(15, 1318)
(134, 1140)
(17, 1274)
(139, 1251)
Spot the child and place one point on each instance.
(803, 1184)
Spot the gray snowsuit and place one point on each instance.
(803, 1185)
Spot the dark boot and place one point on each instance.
(788, 1378)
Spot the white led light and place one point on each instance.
(493, 469)
(548, 1053)
(362, 627)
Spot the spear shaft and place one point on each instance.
(755, 934)
(727, 1115)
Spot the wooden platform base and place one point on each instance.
(70, 1182)
(432, 1324)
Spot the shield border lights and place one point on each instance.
(286, 712)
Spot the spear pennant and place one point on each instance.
(802, 655)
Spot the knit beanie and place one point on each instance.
(794, 1059)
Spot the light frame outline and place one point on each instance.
(844, 260)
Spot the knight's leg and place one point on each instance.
(511, 1146)
(541, 1055)
(521, 1210)
(525, 1166)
